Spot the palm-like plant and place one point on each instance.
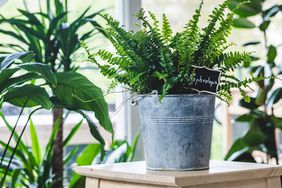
(70, 90)
(54, 40)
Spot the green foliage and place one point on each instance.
(153, 58)
(34, 163)
(19, 85)
(54, 39)
(119, 151)
(261, 116)
(49, 33)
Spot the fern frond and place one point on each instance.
(217, 15)
(166, 30)
(232, 60)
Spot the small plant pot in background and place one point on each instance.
(177, 131)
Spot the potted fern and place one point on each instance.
(176, 78)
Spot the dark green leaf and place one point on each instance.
(243, 23)
(272, 53)
(86, 157)
(264, 25)
(245, 118)
(36, 96)
(252, 8)
(76, 92)
(93, 128)
(41, 69)
(5, 75)
(238, 145)
(18, 80)
(252, 43)
(254, 136)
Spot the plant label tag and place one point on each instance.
(206, 80)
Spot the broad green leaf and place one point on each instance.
(252, 8)
(35, 145)
(93, 128)
(41, 69)
(5, 75)
(245, 118)
(33, 95)
(238, 145)
(272, 53)
(76, 92)
(264, 25)
(88, 154)
(243, 23)
(254, 136)
(14, 81)
(86, 157)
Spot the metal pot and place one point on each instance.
(177, 131)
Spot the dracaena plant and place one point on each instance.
(32, 165)
(54, 39)
(154, 58)
(21, 85)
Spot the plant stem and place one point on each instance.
(12, 134)
(58, 160)
(17, 144)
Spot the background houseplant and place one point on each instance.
(153, 59)
(54, 39)
(261, 116)
(70, 91)
(32, 167)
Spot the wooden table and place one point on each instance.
(222, 174)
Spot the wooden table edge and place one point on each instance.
(271, 171)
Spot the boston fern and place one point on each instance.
(153, 58)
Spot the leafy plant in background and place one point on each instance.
(32, 167)
(71, 91)
(153, 58)
(261, 118)
(54, 39)
(119, 151)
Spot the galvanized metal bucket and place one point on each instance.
(177, 131)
